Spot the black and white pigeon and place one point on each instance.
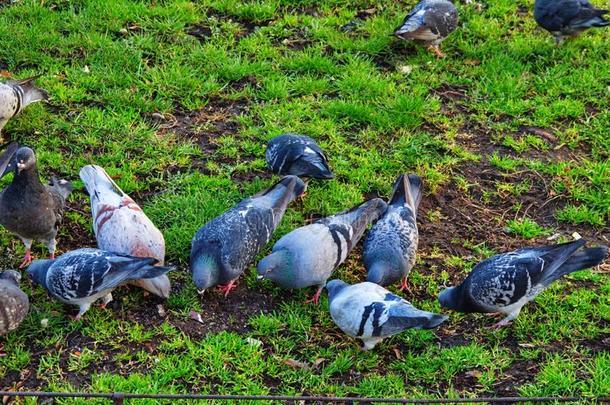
(28, 208)
(15, 95)
(371, 313)
(298, 155)
(391, 245)
(223, 248)
(568, 17)
(14, 303)
(430, 22)
(506, 282)
(308, 255)
(83, 276)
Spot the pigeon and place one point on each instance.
(15, 95)
(28, 208)
(222, 249)
(430, 22)
(371, 313)
(14, 303)
(391, 245)
(82, 276)
(506, 282)
(308, 255)
(568, 17)
(120, 226)
(298, 155)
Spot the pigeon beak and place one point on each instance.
(20, 167)
(260, 277)
(201, 292)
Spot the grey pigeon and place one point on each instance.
(223, 248)
(83, 276)
(308, 255)
(505, 283)
(371, 313)
(28, 208)
(298, 155)
(430, 22)
(391, 245)
(568, 17)
(15, 95)
(14, 303)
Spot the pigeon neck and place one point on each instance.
(28, 179)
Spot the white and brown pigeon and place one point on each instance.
(120, 226)
(14, 303)
(15, 95)
(28, 208)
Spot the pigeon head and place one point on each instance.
(381, 270)
(206, 272)
(25, 159)
(450, 298)
(334, 286)
(38, 271)
(11, 275)
(276, 267)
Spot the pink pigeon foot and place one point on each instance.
(226, 289)
(27, 259)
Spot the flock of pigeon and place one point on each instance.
(130, 249)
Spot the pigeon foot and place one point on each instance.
(315, 298)
(226, 289)
(404, 286)
(437, 51)
(27, 259)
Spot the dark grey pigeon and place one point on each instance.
(223, 248)
(14, 303)
(83, 276)
(28, 208)
(298, 155)
(15, 95)
(391, 245)
(568, 17)
(371, 313)
(430, 22)
(308, 255)
(505, 283)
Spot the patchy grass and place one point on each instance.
(177, 99)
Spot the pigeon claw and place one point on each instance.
(403, 285)
(226, 289)
(27, 259)
(315, 298)
(437, 51)
(501, 324)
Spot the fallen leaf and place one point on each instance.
(254, 342)
(543, 133)
(576, 236)
(196, 316)
(318, 362)
(5, 73)
(472, 62)
(397, 353)
(474, 374)
(161, 311)
(296, 364)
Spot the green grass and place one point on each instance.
(229, 75)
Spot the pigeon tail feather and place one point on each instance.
(585, 259)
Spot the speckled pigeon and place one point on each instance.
(14, 303)
(298, 155)
(83, 276)
(371, 313)
(120, 226)
(223, 248)
(568, 17)
(15, 95)
(391, 245)
(308, 255)
(28, 208)
(505, 283)
(430, 22)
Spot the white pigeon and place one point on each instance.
(121, 227)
